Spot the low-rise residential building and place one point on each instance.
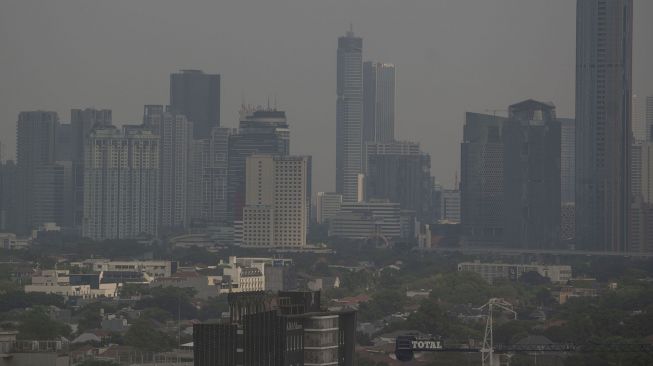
(494, 271)
(61, 282)
(154, 269)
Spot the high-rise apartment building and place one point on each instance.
(259, 132)
(481, 180)
(531, 139)
(175, 138)
(399, 172)
(82, 122)
(207, 186)
(196, 95)
(121, 184)
(275, 214)
(604, 33)
(378, 102)
(349, 116)
(35, 150)
(328, 206)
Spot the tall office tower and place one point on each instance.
(349, 116)
(604, 32)
(481, 180)
(378, 102)
(82, 122)
(649, 118)
(121, 184)
(275, 213)
(8, 189)
(436, 202)
(259, 132)
(35, 149)
(175, 137)
(328, 206)
(531, 167)
(196, 95)
(400, 173)
(207, 187)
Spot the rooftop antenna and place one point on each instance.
(350, 33)
(268, 102)
(275, 101)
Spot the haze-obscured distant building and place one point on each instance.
(328, 206)
(450, 205)
(531, 139)
(208, 179)
(196, 95)
(482, 180)
(364, 220)
(399, 172)
(35, 150)
(260, 132)
(604, 38)
(8, 189)
(496, 271)
(121, 184)
(175, 139)
(378, 102)
(349, 116)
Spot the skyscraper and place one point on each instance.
(82, 122)
(260, 132)
(196, 95)
(275, 213)
(349, 116)
(531, 166)
(35, 150)
(400, 172)
(208, 180)
(604, 32)
(567, 159)
(481, 180)
(175, 137)
(378, 102)
(121, 184)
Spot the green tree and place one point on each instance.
(36, 324)
(143, 335)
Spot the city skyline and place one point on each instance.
(431, 78)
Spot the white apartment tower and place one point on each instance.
(275, 212)
(175, 137)
(121, 184)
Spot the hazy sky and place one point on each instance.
(452, 56)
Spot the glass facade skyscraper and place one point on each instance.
(604, 33)
(349, 116)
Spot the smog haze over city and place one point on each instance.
(451, 57)
(334, 182)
